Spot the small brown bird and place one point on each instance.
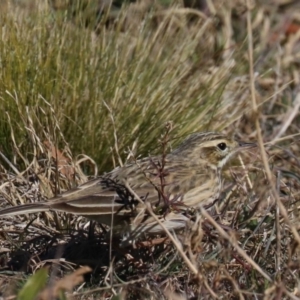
(191, 176)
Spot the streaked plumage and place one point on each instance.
(192, 177)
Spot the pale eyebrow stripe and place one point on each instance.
(213, 143)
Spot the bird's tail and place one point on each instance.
(24, 209)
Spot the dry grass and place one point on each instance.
(67, 90)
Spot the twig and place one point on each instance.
(234, 244)
(171, 237)
(190, 265)
(290, 116)
(278, 233)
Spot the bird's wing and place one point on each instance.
(108, 194)
(100, 196)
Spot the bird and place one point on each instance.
(188, 177)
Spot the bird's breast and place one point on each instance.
(203, 188)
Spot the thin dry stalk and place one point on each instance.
(258, 129)
(234, 243)
(175, 242)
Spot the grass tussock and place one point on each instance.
(121, 85)
(77, 93)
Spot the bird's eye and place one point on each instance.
(222, 146)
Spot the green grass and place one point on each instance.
(123, 84)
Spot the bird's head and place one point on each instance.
(212, 147)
